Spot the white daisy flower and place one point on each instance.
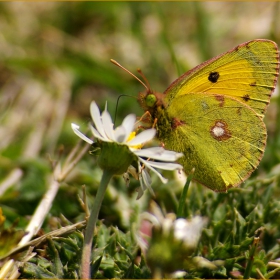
(169, 243)
(186, 230)
(124, 136)
(189, 231)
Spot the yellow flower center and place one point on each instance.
(130, 137)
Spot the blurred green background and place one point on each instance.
(55, 59)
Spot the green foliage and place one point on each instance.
(58, 258)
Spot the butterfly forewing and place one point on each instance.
(248, 73)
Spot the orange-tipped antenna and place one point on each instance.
(146, 87)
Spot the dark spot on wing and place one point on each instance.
(213, 77)
(246, 97)
(221, 99)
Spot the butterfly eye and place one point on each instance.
(151, 100)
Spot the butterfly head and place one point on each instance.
(150, 100)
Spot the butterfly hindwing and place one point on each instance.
(220, 137)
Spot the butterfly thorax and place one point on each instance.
(164, 124)
(156, 104)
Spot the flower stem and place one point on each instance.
(86, 254)
(182, 201)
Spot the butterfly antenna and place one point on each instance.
(145, 86)
(144, 78)
(117, 105)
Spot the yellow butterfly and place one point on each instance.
(214, 113)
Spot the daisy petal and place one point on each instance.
(141, 189)
(120, 134)
(108, 125)
(97, 134)
(158, 153)
(95, 115)
(128, 123)
(165, 165)
(147, 164)
(80, 134)
(142, 137)
(170, 155)
(147, 181)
